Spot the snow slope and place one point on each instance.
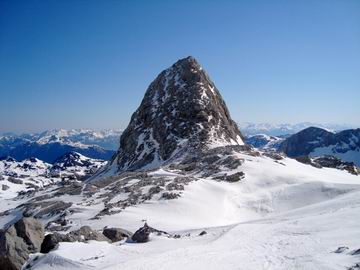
(282, 215)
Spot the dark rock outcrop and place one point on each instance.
(330, 162)
(235, 177)
(116, 234)
(142, 235)
(18, 241)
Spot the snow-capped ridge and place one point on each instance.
(317, 142)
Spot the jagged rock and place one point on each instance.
(181, 110)
(202, 233)
(4, 187)
(32, 231)
(18, 241)
(116, 234)
(142, 234)
(235, 177)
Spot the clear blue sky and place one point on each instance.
(87, 64)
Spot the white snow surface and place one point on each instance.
(282, 215)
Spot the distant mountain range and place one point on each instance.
(33, 174)
(50, 145)
(313, 142)
(317, 142)
(248, 128)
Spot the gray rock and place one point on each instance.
(116, 234)
(18, 241)
(15, 180)
(39, 209)
(4, 187)
(170, 195)
(235, 177)
(32, 231)
(52, 240)
(83, 234)
(341, 249)
(181, 105)
(142, 235)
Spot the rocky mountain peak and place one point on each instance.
(181, 109)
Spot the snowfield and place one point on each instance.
(282, 215)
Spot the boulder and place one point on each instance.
(116, 234)
(202, 233)
(32, 231)
(51, 241)
(18, 241)
(83, 234)
(142, 235)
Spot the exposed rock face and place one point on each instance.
(18, 241)
(181, 109)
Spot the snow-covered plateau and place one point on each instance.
(282, 215)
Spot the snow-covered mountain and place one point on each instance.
(318, 142)
(76, 165)
(182, 110)
(33, 174)
(50, 145)
(215, 202)
(107, 139)
(263, 141)
(249, 129)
